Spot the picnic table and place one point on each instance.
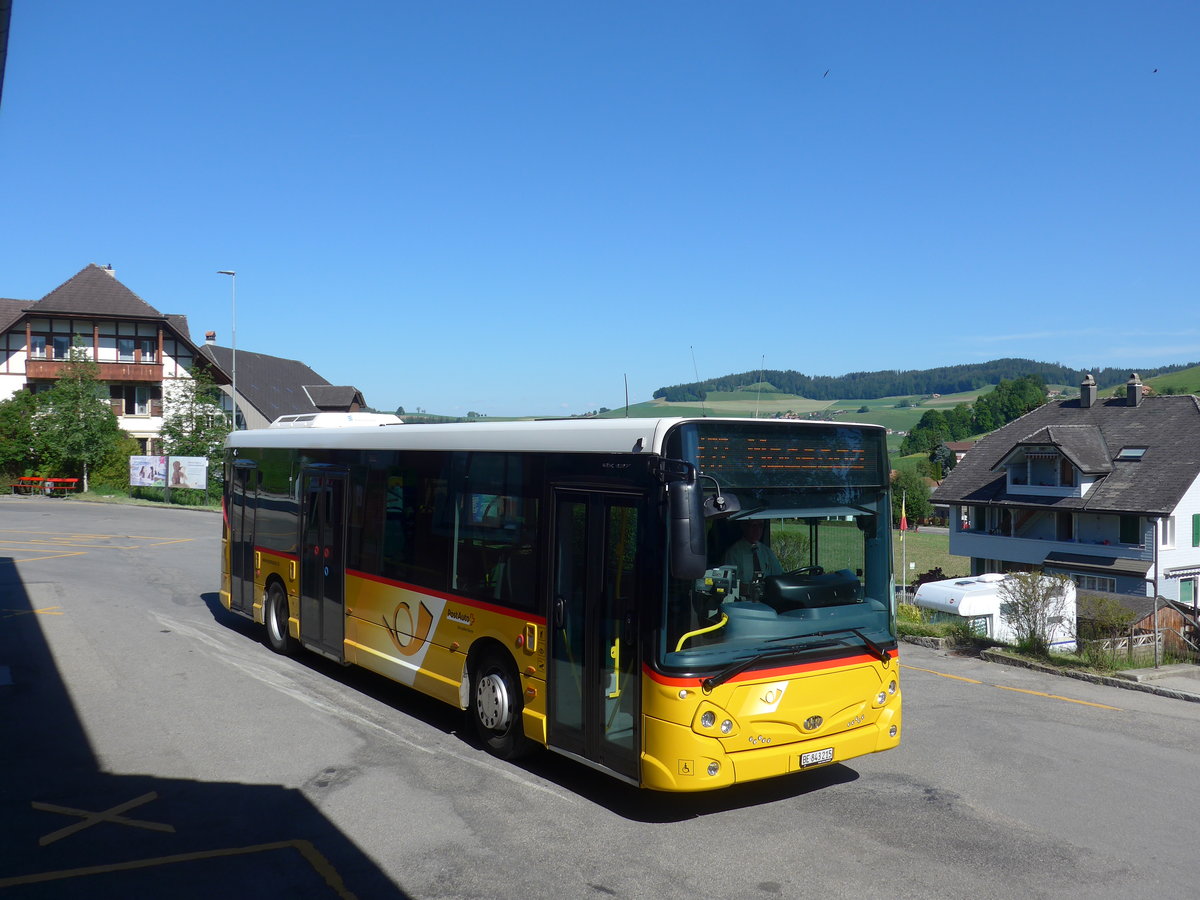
(51, 487)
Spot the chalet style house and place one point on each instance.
(140, 351)
(1104, 491)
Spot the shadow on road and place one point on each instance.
(70, 829)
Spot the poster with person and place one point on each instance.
(148, 471)
(188, 472)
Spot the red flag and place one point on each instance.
(903, 517)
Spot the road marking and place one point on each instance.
(306, 849)
(95, 818)
(44, 611)
(1017, 690)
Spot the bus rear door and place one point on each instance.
(243, 508)
(323, 561)
(594, 672)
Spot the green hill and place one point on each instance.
(1185, 381)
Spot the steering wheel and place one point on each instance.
(806, 570)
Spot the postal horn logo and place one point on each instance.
(408, 632)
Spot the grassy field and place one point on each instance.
(924, 551)
(1185, 381)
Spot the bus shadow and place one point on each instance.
(619, 798)
(656, 807)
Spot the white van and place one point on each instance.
(977, 599)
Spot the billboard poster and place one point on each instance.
(188, 472)
(147, 471)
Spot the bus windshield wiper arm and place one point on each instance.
(876, 649)
(742, 665)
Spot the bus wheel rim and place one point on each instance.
(491, 700)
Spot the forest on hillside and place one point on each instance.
(895, 383)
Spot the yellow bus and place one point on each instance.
(683, 604)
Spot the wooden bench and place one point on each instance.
(60, 487)
(27, 484)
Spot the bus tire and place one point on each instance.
(275, 615)
(495, 706)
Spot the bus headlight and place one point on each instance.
(709, 719)
(892, 687)
(714, 768)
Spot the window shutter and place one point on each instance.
(1196, 530)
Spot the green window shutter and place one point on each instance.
(1196, 530)
(1187, 591)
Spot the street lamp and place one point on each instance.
(233, 337)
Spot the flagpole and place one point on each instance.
(903, 546)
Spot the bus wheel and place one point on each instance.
(276, 616)
(495, 706)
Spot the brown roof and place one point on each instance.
(95, 292)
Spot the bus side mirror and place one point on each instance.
(686, 503)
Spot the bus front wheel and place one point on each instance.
(495, 706)
(275, 615)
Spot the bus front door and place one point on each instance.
(243, 508)
(323, 561)
(594, 672)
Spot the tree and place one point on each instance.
(945, 458)
(76, 427)
(194, 423)
(910, 488)
(18, 440)
(1033, 604)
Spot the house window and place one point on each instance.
(1094, 583)
(124, 349)
(1065, 526)
(149, 350)
(1168, 533)
(61, 345)
(37, 346)
(1187, 590)
(1131, 530)
(1066, 473)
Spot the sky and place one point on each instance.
(516, 208)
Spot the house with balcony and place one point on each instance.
(139, 350)
(1105, 491)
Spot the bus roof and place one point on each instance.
(578, 435)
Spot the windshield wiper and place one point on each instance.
(876, 649)
(742, 665)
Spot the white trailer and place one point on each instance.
(978, 600)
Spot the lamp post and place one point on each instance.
(233, 338)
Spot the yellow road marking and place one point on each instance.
(49, 556)
(319, 864)
(1017, 690)
(44, 611)
(88, 818)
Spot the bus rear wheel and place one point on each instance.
(495, 706)
(275, 614)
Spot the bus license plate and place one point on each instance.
(816, 758)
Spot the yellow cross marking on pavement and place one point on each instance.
(44, 611)
(94, 818)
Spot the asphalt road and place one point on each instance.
(153, 747)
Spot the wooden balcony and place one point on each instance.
(121, 372)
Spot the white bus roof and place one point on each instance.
(626, 435)
(335, 420)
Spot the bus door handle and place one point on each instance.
(560, 606)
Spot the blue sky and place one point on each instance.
(510, 207)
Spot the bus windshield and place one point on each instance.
(804, 566)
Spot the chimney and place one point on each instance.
(210, 337)
(1133, 390)
(1087, 392)
(110, 271)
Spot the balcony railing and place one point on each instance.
(1034, 550)
(120, 371)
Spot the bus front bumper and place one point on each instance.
(675, 758)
